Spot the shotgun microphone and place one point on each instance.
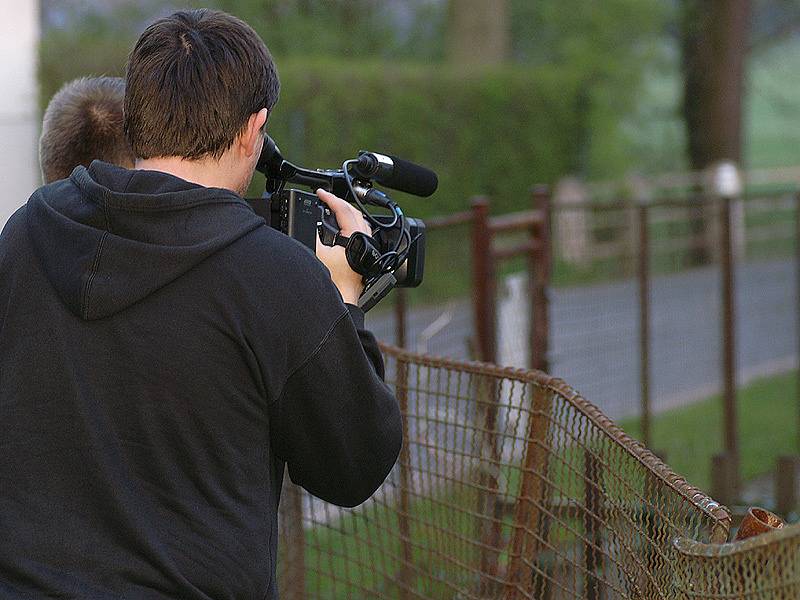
(396, 173)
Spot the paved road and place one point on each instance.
(595, 333)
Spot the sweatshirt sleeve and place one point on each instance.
(336, 423)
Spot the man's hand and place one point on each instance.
(350, 220)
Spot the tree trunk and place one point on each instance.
(478, 31)
(714, 44)
(714, 48)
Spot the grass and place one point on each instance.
(771, 124)
(365, 549)
(689, 436)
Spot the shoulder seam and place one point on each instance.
(312, 354)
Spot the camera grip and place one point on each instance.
(328, 226)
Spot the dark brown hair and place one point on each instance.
(194, 79)
(83, 122)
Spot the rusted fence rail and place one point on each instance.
(486, 255)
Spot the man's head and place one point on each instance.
(200, 84)
(83, 122)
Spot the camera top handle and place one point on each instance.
(279, 171)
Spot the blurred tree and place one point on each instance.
(714, 44)
(362, 29)
(607, 46)
(94, 45)
(772, 22)
(478, 31)
(316, 27)
(716, 38)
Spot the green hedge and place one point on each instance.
(494, 131)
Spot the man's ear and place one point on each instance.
(252, 132)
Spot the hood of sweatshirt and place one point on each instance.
(108, 237)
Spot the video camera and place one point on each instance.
(394, 255)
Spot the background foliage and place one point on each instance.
(361, 74)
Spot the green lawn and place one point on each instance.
(365, 548)
(768, 421)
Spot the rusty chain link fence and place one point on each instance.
(509, 485)
(766, 567)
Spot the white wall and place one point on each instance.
(19, 122)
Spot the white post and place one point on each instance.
(572, 224)
(724, 180)
(19, 115)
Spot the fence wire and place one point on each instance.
(596, 300)
(767, 288)
(766, 567)
(596, 323)
(509, 485)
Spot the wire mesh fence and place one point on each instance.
(766, 567)
(509, 485)
(767, 293)
(595, 298)
(610, 260)
(686, 294)
(687, 299)
(594, 326)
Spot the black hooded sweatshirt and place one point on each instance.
(163, 354)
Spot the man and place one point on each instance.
(83, 122)
(163, 353)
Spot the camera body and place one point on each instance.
(393, 255)
(304, 217)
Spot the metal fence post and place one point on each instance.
(294, 587)
(643, 268)
(483, 281)
(540, 269)
(483, 273)
(797, 300)
(722, 479)
(400, 317)
(731, 434)
(786, 485)
(404, 574)
(593, 526)
(530, 518)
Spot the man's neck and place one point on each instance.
(206, 172)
